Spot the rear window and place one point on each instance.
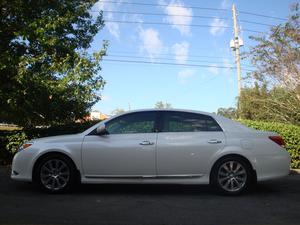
(188, 122)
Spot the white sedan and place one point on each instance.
(156, 146)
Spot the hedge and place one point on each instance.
(11, 140)
(290, 133)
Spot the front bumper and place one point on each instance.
(22, 166)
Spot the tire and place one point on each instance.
(55, 173)
(231, 176)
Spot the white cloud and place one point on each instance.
(151, 43)
(228, 71)
(175, 8)
(184, 75)
(225, 4)
(213, 69)
(181, 51)
(217, 27)
(105, 98)
(216, 68)
(112, 27)
(227, 63)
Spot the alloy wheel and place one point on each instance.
(232, 176)
(55, 174)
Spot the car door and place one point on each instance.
(127, 150)
(186, 143)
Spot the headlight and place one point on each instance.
(25, 145)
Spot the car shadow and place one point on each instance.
(143, 189)
(261, 189)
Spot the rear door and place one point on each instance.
(186, 143)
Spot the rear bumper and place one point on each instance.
(269, 167)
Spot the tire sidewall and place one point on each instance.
(67, 161)
(214, 176)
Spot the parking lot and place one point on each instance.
(276, 202)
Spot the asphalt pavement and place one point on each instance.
(276, 202)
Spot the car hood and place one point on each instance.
(59, 138)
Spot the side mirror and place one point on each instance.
(102, 130)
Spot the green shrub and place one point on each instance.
(10, 141)
(14, 141)
(289, 132)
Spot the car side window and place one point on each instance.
(188, 122)
(141, 122)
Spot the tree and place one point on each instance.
(277, 55)
(47, 74)
(276, 58)
(118, 111)
(227, 112)
(162, 105)
(252, 103)
(259, 103)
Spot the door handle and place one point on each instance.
(146, 143)
(214, 141)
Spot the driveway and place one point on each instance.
(276, 202)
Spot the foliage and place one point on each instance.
(117, 111)
(277, 54)
(289, 132)
(230, 112)
(276, 59)
(47, 74)
(162, 105)
(14, 141)
(277, 104)
(11, 140)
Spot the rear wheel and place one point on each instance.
(231, 176)
(55, 173)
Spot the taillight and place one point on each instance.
(277, 139)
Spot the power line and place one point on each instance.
(164, 5)
(165, 54)
(257, 23)
(163, 14)
(168, 24)
(173, 64)
(191, 16)
(170, 59)
(261, 15)
(178, 24)
(159, 58)
(195, 7)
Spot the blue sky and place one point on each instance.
(141, 85)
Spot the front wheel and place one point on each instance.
(231, 176)
(55, 173)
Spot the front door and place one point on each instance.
(128, 150)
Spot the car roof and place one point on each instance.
(225, 123)
(169, 109)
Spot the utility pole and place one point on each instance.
(235, 44)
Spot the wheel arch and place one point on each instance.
(245, 159)
(49, 153)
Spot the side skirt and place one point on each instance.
(138, 179)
